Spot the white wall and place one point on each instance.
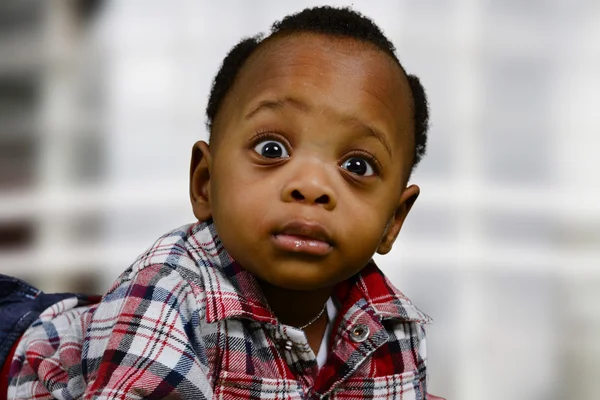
(502, 248)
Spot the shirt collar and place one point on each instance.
(376, 289)
(232, 292)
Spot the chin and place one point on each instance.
(298, 283)
(300, 286)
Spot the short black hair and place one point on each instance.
(340, 22)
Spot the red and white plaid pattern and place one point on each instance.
(186, 321)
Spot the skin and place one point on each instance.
(302, 222)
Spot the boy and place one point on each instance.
(314, 132)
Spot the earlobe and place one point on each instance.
(408, 198)
(200, 181)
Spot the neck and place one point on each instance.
(295, 307)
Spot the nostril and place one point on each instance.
(322, 200)
(297, 195)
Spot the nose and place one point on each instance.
(310, 184)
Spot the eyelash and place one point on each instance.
(260, 136)
(367, 156)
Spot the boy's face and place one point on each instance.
(305, 177)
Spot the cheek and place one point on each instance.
(239, 195)
(369, 220)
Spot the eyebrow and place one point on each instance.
(369, 131)
(277, 104)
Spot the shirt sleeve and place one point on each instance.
(143, 340)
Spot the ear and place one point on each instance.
(407, 199)
(200, 181)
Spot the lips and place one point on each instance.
(304, 237)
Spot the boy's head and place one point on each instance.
(314, 132)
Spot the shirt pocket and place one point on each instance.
(234, 385)
(405, 386)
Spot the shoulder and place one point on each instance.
(173, 249)
(167, 274)
(173, 256)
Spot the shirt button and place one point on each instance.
(359, 333)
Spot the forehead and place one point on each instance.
(340, 77)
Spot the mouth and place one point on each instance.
(304, 237)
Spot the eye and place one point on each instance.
(358, 166)
(271, 149)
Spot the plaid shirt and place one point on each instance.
(186, 321)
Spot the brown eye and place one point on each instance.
(358, 166)
(271, 149)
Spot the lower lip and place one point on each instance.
(301, 244)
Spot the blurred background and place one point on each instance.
(101, 101)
